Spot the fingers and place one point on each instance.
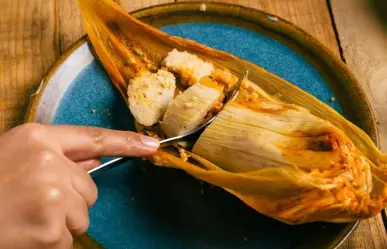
(80, 143)
(77, 220)
(84, 185)
(89, 164)
(67, 241)
(83, 194)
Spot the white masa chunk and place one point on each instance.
(149, 96)
(188, 110)
(188, 66)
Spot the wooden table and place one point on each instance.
(34, 33)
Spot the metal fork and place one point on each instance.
(117, 161)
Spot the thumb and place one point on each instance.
(80, 143)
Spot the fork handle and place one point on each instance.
(108, 165)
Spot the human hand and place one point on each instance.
(45, 190)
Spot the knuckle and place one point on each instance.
(97, 137)
(45, 155)
(32, 131)
(50, 195)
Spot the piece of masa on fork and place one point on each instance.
(117, 161)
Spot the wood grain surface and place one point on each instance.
(363, 42)
(28, 47)
(131, 5)
(33, 33)
(311, 15)
(69, 23)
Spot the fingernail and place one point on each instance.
(150, 142)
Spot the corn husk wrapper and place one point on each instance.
(308, 164)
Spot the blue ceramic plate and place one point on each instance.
(142, 206)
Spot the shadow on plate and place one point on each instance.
(184, 207)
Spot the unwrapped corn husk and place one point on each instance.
(314, 166)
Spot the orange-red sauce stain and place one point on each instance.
(206, 81)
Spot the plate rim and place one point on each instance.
(30, 115)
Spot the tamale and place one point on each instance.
(298, 161)
(189, 109)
